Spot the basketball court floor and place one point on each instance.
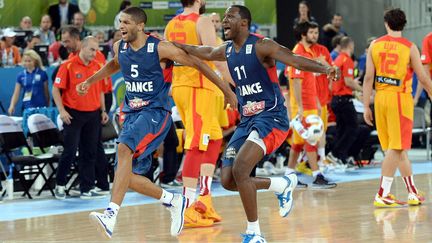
(343, 214)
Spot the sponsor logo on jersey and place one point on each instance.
(250, 89)
(139, 87)
(137, 103)
(150, 47)
(249, 48)
(253, 108)
(423, 57)
(350, 71)
(389, 81)
(57, 80)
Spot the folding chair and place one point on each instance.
(109, 133)
(11, 139)
(44, 133)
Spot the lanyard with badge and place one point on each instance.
(36, 77)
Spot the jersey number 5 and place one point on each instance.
(134, 71)
(388, 62)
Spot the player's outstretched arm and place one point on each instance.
(269, 48)
(204, 52)
(367, 87)
(416, 64)
(107, 70)
(168, 51)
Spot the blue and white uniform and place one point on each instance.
(146, 103)
(264, 118)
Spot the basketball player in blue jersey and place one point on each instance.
(264, 121)
(143, 61)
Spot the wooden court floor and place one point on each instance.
(345, 214)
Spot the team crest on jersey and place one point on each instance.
(423, 57)
(37, 77)
(249, 48)
(150, 47)
(78, 75)
(253, 108)
(137, 103)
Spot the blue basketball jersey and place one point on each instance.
(257, 87)
(146, 87)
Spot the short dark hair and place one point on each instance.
(71, 30)
(302, 28)
(187, 3)
(124, 4)
(337, 14)
(345, 42)
(244, 13)
(395, 19)
(138, 15)
(336, 40)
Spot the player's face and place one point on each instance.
(312, 36)
(128, 28)
(231, 23)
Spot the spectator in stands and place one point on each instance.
(47, 36)
(361, 66)
(26, 23)
(331, 30)
(304, 14)
(336, 46)
(82, 117)
(100, 35)
(62, 13)
(33, 81)
(116, 36)
(123, 5)
(31, 42)
(7, 47)
(78, 22)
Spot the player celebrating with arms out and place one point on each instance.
(264, 121)
(143, 61)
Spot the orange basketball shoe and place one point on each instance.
(205, 207)
(415, 199)
(193, 219)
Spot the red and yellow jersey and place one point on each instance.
(322, 83)
(426, 56)
(391, 57)
(183, 29)
(346, 65)
(308, 92)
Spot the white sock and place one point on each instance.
(321, 153)
(315, 173)
(253, 228)
(166, 197)
(289, 171)
(190, 194)
(113, 207)
(386, 183)
(277, 184)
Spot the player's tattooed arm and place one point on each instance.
(168, 51)
(269, 48)
(204, 52)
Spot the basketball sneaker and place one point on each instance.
(59, 192)
(104, 222)
(301, 185)
(322, 183)
(177, 210)
(253, 238)
(193, 219)
(389, 201)
(204, 206)
(286, 198)
(415, 199)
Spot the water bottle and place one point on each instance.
(4, 58)
(50, 58)
(11, 58)
(10, 183)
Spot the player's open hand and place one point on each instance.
(82, 88)
(333, 73)
(368, 117)
(231, 100)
